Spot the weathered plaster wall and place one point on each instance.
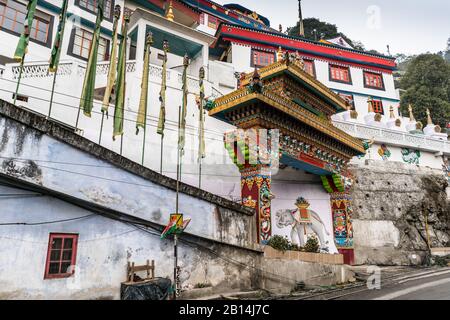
(87, 171)
(105, 246)
(391, 201)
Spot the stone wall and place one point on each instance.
(392, 203)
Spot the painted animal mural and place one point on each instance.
(411, 156)
(302, 221)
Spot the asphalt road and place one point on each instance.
(425, 285)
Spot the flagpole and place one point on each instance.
(201, 142)
(162, 151)
(101, 129)
(51, 96)
(175, 238)
(18, 81)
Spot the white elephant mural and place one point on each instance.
(303, 221)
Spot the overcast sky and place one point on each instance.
(408, 26)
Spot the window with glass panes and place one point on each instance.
(82, 40)
(262, 58)
(91, 5)
(373, 80)
(340, 74)
(12, 18)
(61, 255)
(378, 106)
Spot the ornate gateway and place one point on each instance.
(283, 116)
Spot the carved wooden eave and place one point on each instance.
(241, 109)
(299, 74)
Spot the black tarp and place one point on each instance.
(155, 289)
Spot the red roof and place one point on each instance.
(272, 41)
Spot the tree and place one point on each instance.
(324, 30)
(447, 52)
(427, 85)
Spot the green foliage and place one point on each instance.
(279, 243)
(427, 85)
(312, 245)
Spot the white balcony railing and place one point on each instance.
(393, 137)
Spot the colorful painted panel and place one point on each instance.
(255, 184)
(384, 152)
(342, 220)
(411, 156)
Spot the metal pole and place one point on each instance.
(200, 174)
(175, 239)
(162, 150)
(18, 81)
(78, 118)
(121, 144)
(101, 129)
(143, 143)
(51, 97)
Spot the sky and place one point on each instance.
(407, 26)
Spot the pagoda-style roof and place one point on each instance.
(290, 100)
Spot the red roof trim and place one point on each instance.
(252, 37)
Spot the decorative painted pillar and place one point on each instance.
(256, 194)
(251, 152)
(342, 214)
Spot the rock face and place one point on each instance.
(394, 205)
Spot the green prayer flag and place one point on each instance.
(22, 46)
(142, 112)
(162, 93)
(182, 129)
(56, 50)
(112, 72)
(120, 83)
(87, 93)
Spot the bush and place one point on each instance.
(279, 243)
(312, 245)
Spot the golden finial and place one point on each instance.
(170, 16)
(370, 104)
(429, 120)
(411, 114)
(391, 112)
(279, 54)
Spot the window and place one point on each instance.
(80, 44)
(348, 98)
(340, 74)
(373, 80)
(378, 106)
(309, 67)
(61, 255)
(213, 22)
(12, 18)
(262, 59)
(91, 6)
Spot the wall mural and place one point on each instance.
(411, 156)
(302, 221)
(342, 220)
(384, 152)
(256, 194)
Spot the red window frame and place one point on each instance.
(262, 58)
(373, 80)
(60, 250)
(378, 106)
(310, 67)
(340, 74)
